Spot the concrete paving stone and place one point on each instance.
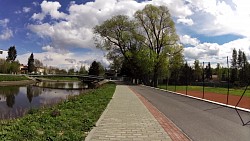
(126, 118)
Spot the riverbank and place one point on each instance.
(16, 83)
(71, 119)
(14, 80)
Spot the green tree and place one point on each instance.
(149, 37)
(31, 65)
(244, 70)
(122, 42)
(197, 71)
(234, 73)
(158, 30)
(218, 71)
(208, 71)
(82, 70)
(94, 69)
(71, 71)
(12, 53)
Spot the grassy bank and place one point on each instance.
(207, 89)
(12, 78)
(69, 120)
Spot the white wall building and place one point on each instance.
(3, 54)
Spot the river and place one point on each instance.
(15, 101)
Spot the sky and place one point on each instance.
(60, 32)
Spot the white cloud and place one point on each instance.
(51, 9)
(209, 17)
(184, 21)
(213, 17)
(5, 33)
(72, 60)
(4, 22)
(215, 53)
(26, 9)
(187, 40)
(75, 28)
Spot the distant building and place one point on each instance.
(3, 54)
(23, 69)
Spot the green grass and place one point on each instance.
(75, 117)
(12, 78)
(63, 78)
(208, 89)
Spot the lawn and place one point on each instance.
(69, 120)
(12, 77)
(208, 89)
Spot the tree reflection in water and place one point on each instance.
(33, 92)
(9, 93)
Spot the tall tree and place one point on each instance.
(197, 70)
(120, 39)
(38, 63)
(31, 65)
(208, 71)
(158, 30)
(94, 69)
(234, 73)
(218, 71)
(12, 53)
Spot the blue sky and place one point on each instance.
(59, 33)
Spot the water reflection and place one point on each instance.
(62, 85)
(15, 101)
(8, 94)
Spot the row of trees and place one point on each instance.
(142, 46)
(237, 72)
(9, 65)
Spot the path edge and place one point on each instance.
(163, 119)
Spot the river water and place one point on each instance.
(15, 101)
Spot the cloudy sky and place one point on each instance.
(59, 33)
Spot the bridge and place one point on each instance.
(84, 78)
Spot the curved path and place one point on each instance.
(199, 120)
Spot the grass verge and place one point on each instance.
(12, 78)
(208, 89)
(68, 120)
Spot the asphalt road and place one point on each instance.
(201, 121)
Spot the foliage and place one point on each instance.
(69, 120)
(148, 37)
(71, 71)
(38, 63)
(197, 71)
(208, 72)
(95, 68)
(12, 53)
(31, 65)
(83, 70)
(12, 78)
(9, 67)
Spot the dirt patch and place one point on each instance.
(16, 83)
(222, 98)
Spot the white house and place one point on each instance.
(3, 54)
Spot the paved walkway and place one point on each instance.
(127, 119)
